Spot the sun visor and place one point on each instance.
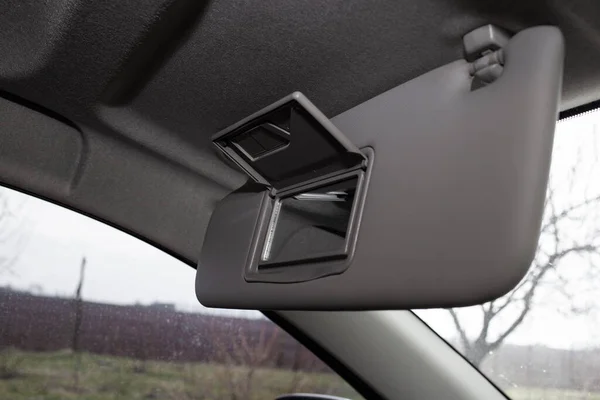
(429, 195)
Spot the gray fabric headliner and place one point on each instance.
(161, 76)
(201, 66)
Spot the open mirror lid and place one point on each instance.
(288, 143)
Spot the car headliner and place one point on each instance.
(147, 83)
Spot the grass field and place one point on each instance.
(64, 375)
(551, 394)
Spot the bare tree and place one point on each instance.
(296, 376)
(302, 362)
(564, 215)
(78, 313)
(78, 308)
(236, 350)
(243, 355)
(12, 236)
(12, 230)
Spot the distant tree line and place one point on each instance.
(159, 332)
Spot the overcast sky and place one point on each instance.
(120, 268)
(124, 270)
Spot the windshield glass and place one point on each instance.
(542, 340)
(90, 312)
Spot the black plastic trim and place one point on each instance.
(572, 112)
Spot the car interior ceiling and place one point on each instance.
(108, 107)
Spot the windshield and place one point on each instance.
(88, 311)
(542, 340)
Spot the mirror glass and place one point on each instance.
(310, 225)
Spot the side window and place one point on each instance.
(87, 311)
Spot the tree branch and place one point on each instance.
(528, 297)
(461, 332)
(565, 213)
(488, 315)
(509, 298)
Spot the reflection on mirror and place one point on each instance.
(310, 225)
